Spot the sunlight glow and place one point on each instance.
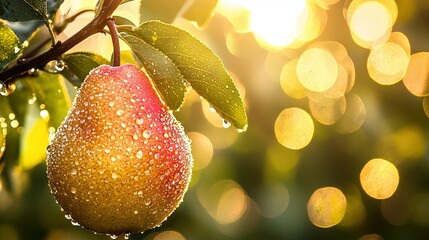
(277, 23)
(371, 21)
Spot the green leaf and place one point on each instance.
(200, 67)
(164, 73)
(98, 7)
(23, 10)
(200, 11)
(53, 6)
(164, 10)
(9, 45)
(128, 56)
(81, 63)
(50, 91)
(123, 21)
(34, 140)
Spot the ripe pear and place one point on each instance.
(120, 162)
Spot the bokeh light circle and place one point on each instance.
(317, 69)
(326, 207)
(379, 178)
(294, 128)
(387, 63)
(416, 79)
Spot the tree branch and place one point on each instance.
(95, 26)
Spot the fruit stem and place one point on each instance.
(95, 26)
(115, 41)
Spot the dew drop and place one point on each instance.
(212, 109)
(139, 121)
(154, 37)
(139, 154)
(135, 136)
(140, 193)
(59, 66)
(242, 129)
(119, 112)
(111, 104)
(51, 66)
(114, 175)
(4, 91)
(147, 133)
(135, 212)
(74, 223)
(225, 123)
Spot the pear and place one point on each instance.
(120, 162)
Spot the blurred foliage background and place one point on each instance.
(336, 146)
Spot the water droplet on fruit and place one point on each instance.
(73, 171)
(74, 223)
(140, 193)
(147, 133)
(111, 104)
(139, 121)
(139, 154)
(225, 123)
(112, 236)
(127, 235)
(107, 150)
(119, 112)
(73, 190)
(135, 136)
(147, 201)
(114, 175)
(128, 75)
(135, 212)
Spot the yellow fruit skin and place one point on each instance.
(120, 162)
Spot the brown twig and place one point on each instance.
(115, 41)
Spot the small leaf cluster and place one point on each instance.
(33, 105)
